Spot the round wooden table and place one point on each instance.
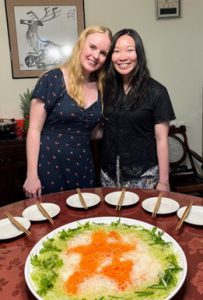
(13, 252)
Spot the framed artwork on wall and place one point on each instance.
(42, 33)
(166, 9)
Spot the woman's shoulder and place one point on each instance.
(53, 73)
(156, 87)
(153, 83)
(48, 82)
(50, 78)
(50, 75)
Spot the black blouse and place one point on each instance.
(130, 133)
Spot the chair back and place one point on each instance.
(184, 175)
(179, 151)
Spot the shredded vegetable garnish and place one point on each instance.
(104, 245)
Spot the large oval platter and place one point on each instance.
(107, 220)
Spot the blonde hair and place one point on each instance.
(74, 69)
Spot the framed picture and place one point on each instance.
(42, 33)
(166, 9)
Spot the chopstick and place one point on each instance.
(120, 200)
(81, 198)
(44, 212)
(16, 223)
(157, 205)
(184, 216)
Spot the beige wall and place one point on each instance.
(174, 50)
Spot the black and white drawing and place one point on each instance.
(42, 33)
(48, 35)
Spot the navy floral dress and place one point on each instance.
(65, 158)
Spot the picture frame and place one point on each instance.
(168, 9)
(42, 33)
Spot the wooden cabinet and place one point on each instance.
(12, 170)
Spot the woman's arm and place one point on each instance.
(32, 185)
(161, 133)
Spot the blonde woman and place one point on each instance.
(65, 108)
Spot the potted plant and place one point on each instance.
(25, 99)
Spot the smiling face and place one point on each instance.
(124, 56)
(94, 52)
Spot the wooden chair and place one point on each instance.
(186, 166)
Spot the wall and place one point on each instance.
(174, 49)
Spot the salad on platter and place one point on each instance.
(106, 259)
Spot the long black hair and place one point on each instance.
(138, 80)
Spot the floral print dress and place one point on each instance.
(65, 157)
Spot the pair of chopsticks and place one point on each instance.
(44, 212)
(184, 216)
(120, 200)
(16, 223)
(157, 205)
(81, 198)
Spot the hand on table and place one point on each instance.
(32, 187)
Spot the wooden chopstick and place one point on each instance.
(184, 216)
(81, 198)
(44, 212)
(120, 200)
(16, 223)
(157, 205)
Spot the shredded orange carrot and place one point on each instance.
(103, 245)
(119, 271)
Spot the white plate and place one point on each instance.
(34, 214)
(167, 205)
(91, 199)
(106, 220)
(129, 198)
(195, 216)
(8, 230)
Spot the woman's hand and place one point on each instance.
(32, 187)
(162, 186)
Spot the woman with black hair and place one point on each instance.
(137, 112)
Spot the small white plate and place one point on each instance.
(8, 230)
(33, 213)
(91, 199)
(167, 205)
(195, 216)
(129, 198)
